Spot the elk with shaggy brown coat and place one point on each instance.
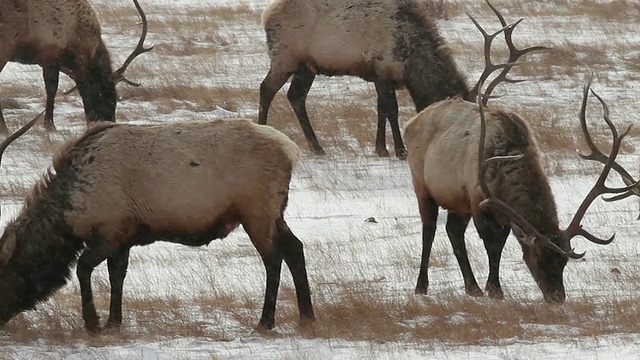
(64, 35)
(508, 191)
(394, 44)
(120, 185)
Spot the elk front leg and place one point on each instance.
(89, 259)
(456, 226)
(293, 254)
(429, 216)
(117, 265)
(494, 237)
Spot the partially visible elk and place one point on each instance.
(448, 143)
(394, 44)
(64, 36)
(120, 185)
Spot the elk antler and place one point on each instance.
(6, 248)
(118, 75)
(514, 55)
(599, 188)
(597, 155)
(574, 228)
(6, 142)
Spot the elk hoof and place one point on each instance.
(496, 294)
(382, 152)
(474, 291)
(306, 321)
(421, 290)
(112, 325)
(316, 148)
(265, 324)
(49, 126)
(401, 154)
(93, 328)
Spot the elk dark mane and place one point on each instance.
(46, 247)
(431, 73)
(521, 184)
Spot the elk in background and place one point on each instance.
(120, 185)
(64, 35)
(394, 44)
(447, 146)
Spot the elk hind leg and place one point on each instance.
(90, 258)
(117, 265)
(51, 76)
(429, 216)
(388, 109)
(263, 236)
(456, 226)
(494, 237)
(292, 251)
(297, 95)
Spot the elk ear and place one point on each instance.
(7, 247)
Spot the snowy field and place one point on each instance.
(202, 303)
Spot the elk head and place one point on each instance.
(118, 75)
(547, 254)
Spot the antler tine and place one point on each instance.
(499, 205)
(6, 142)
(596, 154)
(139, 49)
(599, 187)
(514, 53)
(490, 67)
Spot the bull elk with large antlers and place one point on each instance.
(508, 191)
(64, 36)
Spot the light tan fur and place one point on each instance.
(335, 35)
(47, 28)
(178, 178)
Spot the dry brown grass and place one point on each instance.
(356, 313)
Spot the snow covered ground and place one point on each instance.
(330, 198)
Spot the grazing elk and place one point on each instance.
(394, 44)
(122, 185)
(507, 191)
(64, 35)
